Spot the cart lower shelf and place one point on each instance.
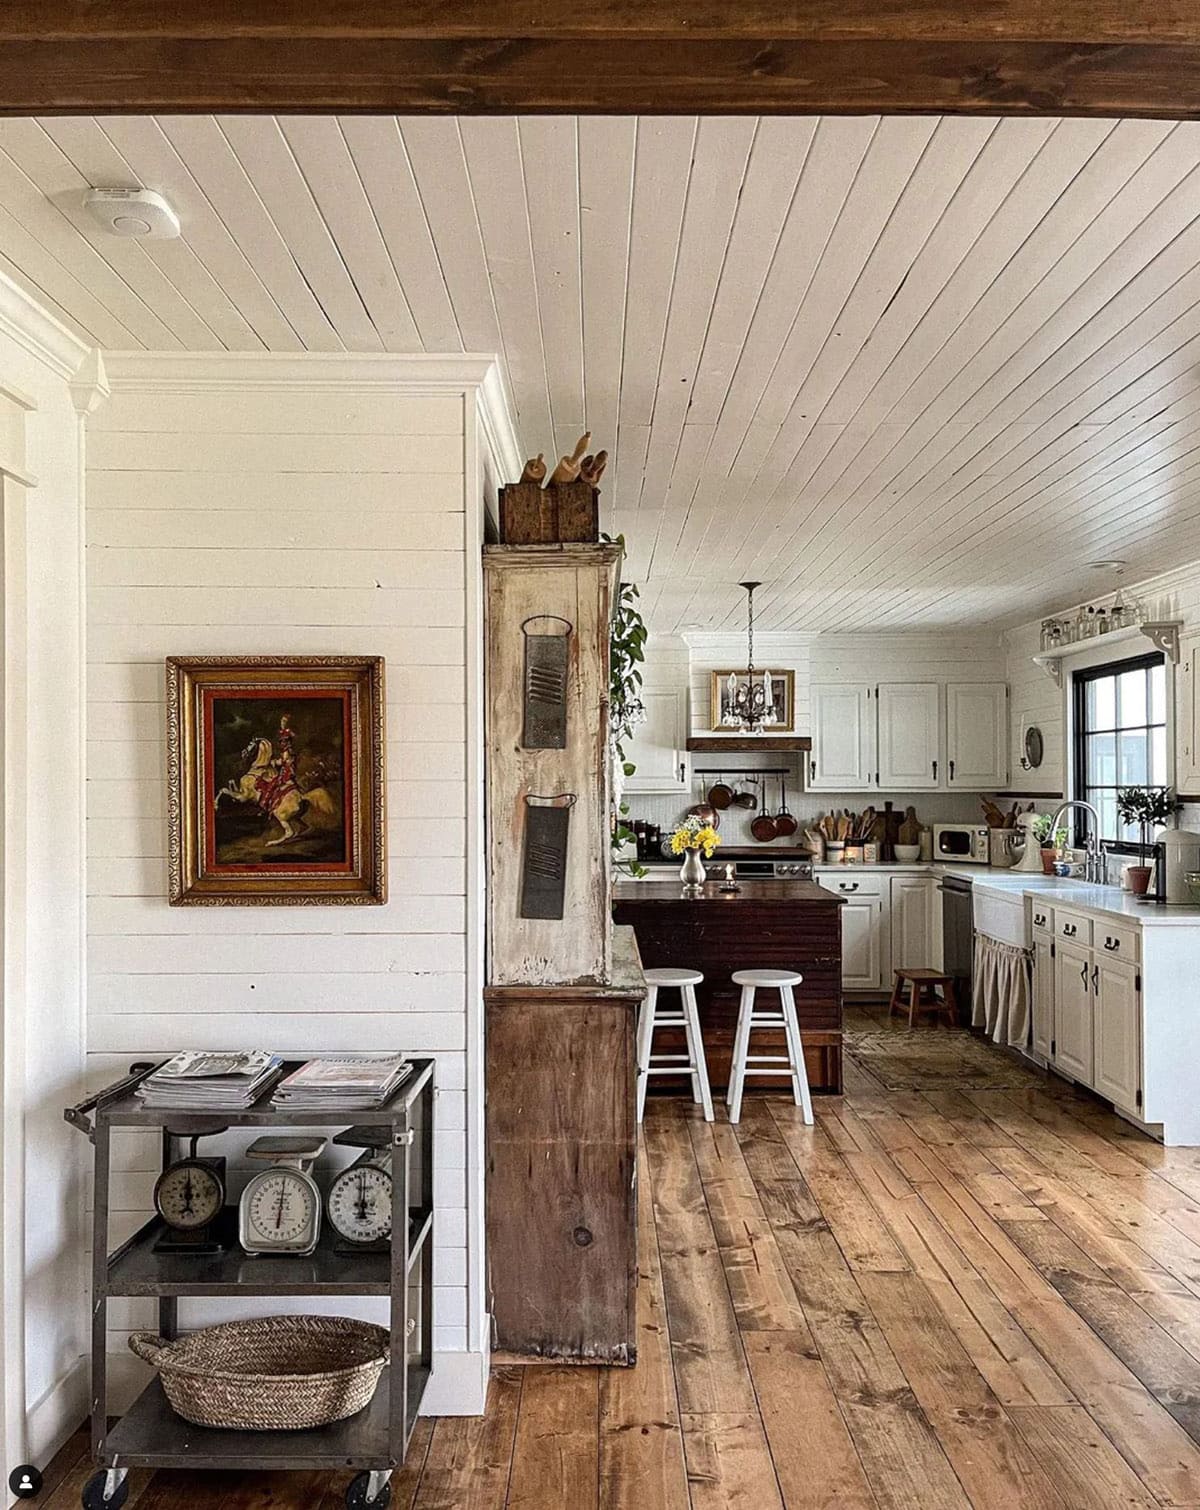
(151, 1435)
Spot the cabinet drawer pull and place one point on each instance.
(847, 885)
(1039, 920)
(1112, 945)
(951, 770)
(1083, 973)
(1069, 930)
(935, 770)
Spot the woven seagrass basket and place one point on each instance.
(277, 1373)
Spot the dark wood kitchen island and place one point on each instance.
(771, 924)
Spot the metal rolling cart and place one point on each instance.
(150, 1434)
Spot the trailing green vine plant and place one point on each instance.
(627, 652)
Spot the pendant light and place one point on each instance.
(754, 703)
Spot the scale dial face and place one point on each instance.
(280, 1212)
(360, 1203)
(189, 1195)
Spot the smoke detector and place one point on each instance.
(133, 212)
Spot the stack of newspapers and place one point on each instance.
(343, 1082)
(197, 1080)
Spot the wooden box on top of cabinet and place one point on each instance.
(561, 1165)
(574, 584)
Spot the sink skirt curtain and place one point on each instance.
(1002, 991)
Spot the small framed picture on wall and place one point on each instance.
(276, 780)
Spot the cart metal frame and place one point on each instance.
(150, 1434)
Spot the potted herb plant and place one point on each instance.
(1049, 843)
(1149, 807)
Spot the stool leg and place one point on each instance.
(951, 1004)
(690, 1039)
(645, 1037)
(741, 1047)
(896, 1001)
(700, 1075)
(913, 992)
(800, 1091)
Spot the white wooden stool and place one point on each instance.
(744, 1063)
(692, 1063)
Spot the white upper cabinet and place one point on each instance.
(843, 736)
(977, 736)
(658, 748)
(909, 736)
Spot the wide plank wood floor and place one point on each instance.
(957, 1289)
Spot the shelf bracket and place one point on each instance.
(1052, 666)
(1163, 634)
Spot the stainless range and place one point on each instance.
(781, 869)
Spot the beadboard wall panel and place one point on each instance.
(340, 519)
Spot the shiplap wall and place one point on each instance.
(291, 517)
(1035, 697)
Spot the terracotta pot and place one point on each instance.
(1048, 858)
(1139, 878)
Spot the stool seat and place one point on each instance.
(789, 1066)
(669, 977)
(766, 978)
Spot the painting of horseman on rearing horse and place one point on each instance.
(282, 799)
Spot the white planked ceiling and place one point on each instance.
(909, 372)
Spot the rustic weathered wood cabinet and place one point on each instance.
(527, 586)
(561, 1164)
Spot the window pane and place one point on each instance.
(1158, 757)
(1102, 703)
(1101, 760)
(1106, 803)
(1132, 698)
(1134, 762)
(1158, 696)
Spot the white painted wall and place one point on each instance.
(1037, 699)
(298, 505)
(814, 659)
(43, 1320)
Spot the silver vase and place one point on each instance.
(691, 872)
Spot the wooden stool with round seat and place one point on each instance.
(688, 1018)
(791, 1064)
(923, 995)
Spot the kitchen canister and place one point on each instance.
(835, 853)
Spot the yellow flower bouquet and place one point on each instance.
(693, 834)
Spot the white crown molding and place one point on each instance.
(89, 387)
(204, 371)
(495, 416)
(24, 320)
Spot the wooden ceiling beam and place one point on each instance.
(1070, 57)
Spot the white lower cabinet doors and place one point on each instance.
(1043, 996)
(914, 911)
(1116, 987)
(1073, 994)
(862, 930)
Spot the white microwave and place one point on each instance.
(964, 843)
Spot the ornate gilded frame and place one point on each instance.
(191, 883)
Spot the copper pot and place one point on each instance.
(720, 795)
(785, 824)
(763, 828)
(706, 814)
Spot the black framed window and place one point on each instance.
(1120, 739)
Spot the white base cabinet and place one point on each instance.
(888, 921)
(1087, 1003)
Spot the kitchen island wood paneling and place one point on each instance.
(770, 924)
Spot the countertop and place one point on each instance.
(711, 893)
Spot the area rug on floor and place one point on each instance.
(935, 1059)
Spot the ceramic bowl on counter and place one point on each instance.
(907, 854)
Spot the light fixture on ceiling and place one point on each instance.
(751, 702)
(142, 213)
(1112, 564)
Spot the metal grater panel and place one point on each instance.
(544, 865)
(546, 661)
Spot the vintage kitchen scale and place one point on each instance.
(189, 1196)
(280, 1209)
(359, 1203)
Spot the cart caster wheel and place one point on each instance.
(93, 1493)
(356, 1494)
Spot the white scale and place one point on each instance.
(280, 1209)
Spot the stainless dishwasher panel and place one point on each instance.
(958, 940)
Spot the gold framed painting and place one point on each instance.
(276, 780)
(772, 693)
